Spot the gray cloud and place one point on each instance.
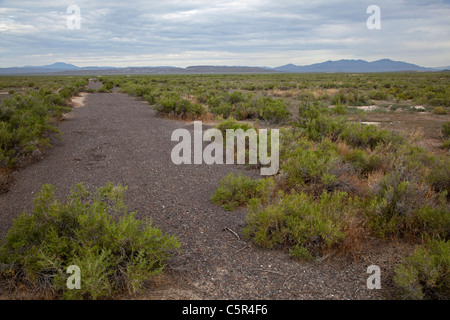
(245, 32)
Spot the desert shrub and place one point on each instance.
(67, 92)
(106, 87)
(298, 222)
(142, 90)
(235, 191)
(378, 95)
(446, 144)
(323, 126)
(432, 220)
(24, 120)
(274, 110)
(439, 175)
(446, 130)
(362, 161)
(173, 104)
(316, 123)
(244, 110)
(231, 123)
(396, 198)
(114, 251)
(439, 110)
(151, 98)
(425, 273)
(311, 164)
(339, 98)
(368, 136)
(213, 101)
(236, 97)
(224, 109)
(340, 109)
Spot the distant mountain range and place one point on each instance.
(344, 66)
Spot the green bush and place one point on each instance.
(446, 130)
(439, 175)
(272, 110)
(24, 119)
(340, 109)
(316, 123)
(368, 136)
(446, 144)
(311, 164)
(173, 104)
(106, 87)
(224, 109)
(299, 223)
(396, 199)
(235, 191)
(232, 124)
(236, 97)
(439, 110)
(432, 220)
(114, 251)
(362, 161)
(425, 274)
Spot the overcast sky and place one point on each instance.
(239, 32)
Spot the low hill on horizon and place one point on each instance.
(339, 66)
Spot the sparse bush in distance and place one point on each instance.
(439, 110)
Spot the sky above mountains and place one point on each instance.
(242, 32)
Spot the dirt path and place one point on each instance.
(116, 138)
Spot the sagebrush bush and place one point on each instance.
(26, 118)
(106, 87)
(362, 161)
(340, 109)
(395, 200)
(173, 104)
(311, 164)
(316, 123)
(368, 136)
(446, 130)
(300, 223)
(223, 108)
(272, 110)
(439, 175)
(232, 124)
(115, 252)
(439, 110)
(235, 191)
(425, 273)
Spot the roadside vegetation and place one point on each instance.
(30, 111)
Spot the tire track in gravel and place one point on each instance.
(116, 138)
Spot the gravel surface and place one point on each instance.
(113, 137)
